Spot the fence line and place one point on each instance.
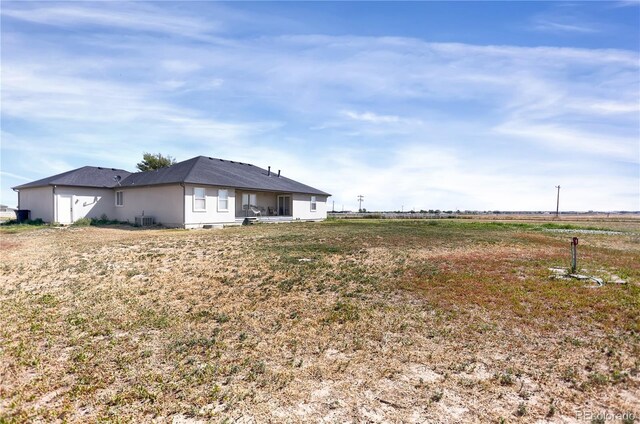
(519, 216)
(390, 215)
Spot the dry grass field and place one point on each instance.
(341, 321)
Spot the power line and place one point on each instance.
(360, 200)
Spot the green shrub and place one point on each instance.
(82, 222)
(37, 221)
(104, 220)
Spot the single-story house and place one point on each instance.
(7, 213)
(197, 192)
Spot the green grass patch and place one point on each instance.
(343, 312)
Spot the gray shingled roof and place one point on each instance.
(87, 176)
(219, 172)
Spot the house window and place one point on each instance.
(120, 198)
(223, 200)
(313, 203)
(199, 199)
(248, 201)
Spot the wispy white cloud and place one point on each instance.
(550, 26)
(626, 3)
(610, 107)
(14, 176)
(135, 16)
(180, 66)
(34, 94)
(404, 121)
(371, 117)
(571, 141)
(429, 177)
(566, 18)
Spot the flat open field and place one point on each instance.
(347, 320)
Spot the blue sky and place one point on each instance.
(438, 105)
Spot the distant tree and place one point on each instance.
(151, 161)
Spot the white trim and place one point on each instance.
(66, 196)
(249, 196)
(116, 199)
(313, 204)
(203, 198)
(288, 203)
(226, 199)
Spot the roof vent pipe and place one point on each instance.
(268, 171)
(278, 173)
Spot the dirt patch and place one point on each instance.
(387, 322)
(6, 245)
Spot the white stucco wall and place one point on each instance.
(302, 207)
(169, 205)
(88, 202)
(39, 200)
(210, 216)
(164, 203)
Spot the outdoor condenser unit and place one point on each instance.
(144, 221)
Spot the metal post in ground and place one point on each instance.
(574, 254)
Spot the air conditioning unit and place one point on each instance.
(144, 221)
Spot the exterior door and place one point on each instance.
(284, 205)
(65, 209)
(248, 200)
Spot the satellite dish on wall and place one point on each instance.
(117, 179)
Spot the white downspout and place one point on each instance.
(55, 205)
(184, 206)
(17, 191)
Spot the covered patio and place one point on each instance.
(264, 206)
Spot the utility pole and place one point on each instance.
(558, 202)
(360, 199)
(333, 208)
